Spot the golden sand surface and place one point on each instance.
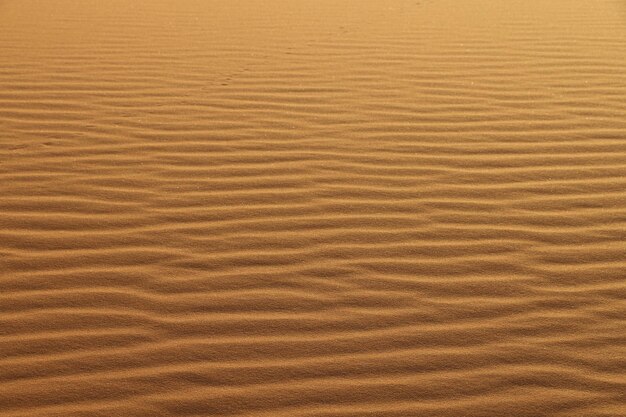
(312, 208)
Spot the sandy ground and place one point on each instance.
(312, 208)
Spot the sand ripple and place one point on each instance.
(324, 208)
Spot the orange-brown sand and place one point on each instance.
(312, 208)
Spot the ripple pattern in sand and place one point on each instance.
(312, 209)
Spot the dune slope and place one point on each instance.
(331, 208)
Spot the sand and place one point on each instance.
(298, 208)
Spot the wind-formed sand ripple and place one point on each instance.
(329, 209)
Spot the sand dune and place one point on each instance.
(332, 208)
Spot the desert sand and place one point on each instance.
(312, 208)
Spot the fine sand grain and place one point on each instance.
(312, 208)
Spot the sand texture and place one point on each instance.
(312, 208)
